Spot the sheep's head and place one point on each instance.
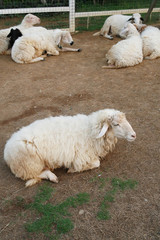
(120, 126)
(13, 35)
(67, 38)
(31, 19)
(136, 18)
(62, 36)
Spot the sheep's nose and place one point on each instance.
(71, 43)
(133, 135)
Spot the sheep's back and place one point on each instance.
(127, 52)
(116, 22)
(54, 138)
(151, 40)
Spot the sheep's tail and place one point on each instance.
(32, 182)
(97, 34)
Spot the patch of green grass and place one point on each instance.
(53, 215)
(122, 185)
(117, 184)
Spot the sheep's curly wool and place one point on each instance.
(28, 21)
(151, 42)
(74, 142)
(126, 52)
(30, 47)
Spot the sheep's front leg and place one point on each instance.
(47, 174)
(65, 49)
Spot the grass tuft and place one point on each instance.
(53, 215)
(122, 185)
(117, 184)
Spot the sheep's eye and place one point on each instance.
(116, 124)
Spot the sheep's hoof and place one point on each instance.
(56, 180)
(59, 46)
(43, 59)
(48, 55)
(71, 170)
(79, 50)
(44, 52)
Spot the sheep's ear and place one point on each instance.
(10, 33)
(131, 20)
(103, 131)
(58, 40)
(29, 19)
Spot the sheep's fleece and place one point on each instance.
(113, 24)
(126, 52)
(74, 142)
(151, 42)
(28, 21)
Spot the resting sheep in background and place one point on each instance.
(74, 142)
(35, 41)
(151, 42)
(126, 52)
(28, 21)
(114, 24)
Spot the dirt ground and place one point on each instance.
(75, 83)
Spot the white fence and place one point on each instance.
(72, 14)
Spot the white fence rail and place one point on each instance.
(72, 14)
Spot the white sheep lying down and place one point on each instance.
(151, 42)
(74, 142)
(114, 24)
(126, 52)
(35, 41)
(28, 21)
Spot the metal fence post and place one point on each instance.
(72, 15)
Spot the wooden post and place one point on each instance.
(153, 3)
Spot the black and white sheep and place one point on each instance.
(28, 21)
(13, 36)
(35, 41)
(114, 24)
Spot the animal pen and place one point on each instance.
(80, 14)
(75, 83)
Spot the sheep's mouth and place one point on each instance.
(130, 139)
